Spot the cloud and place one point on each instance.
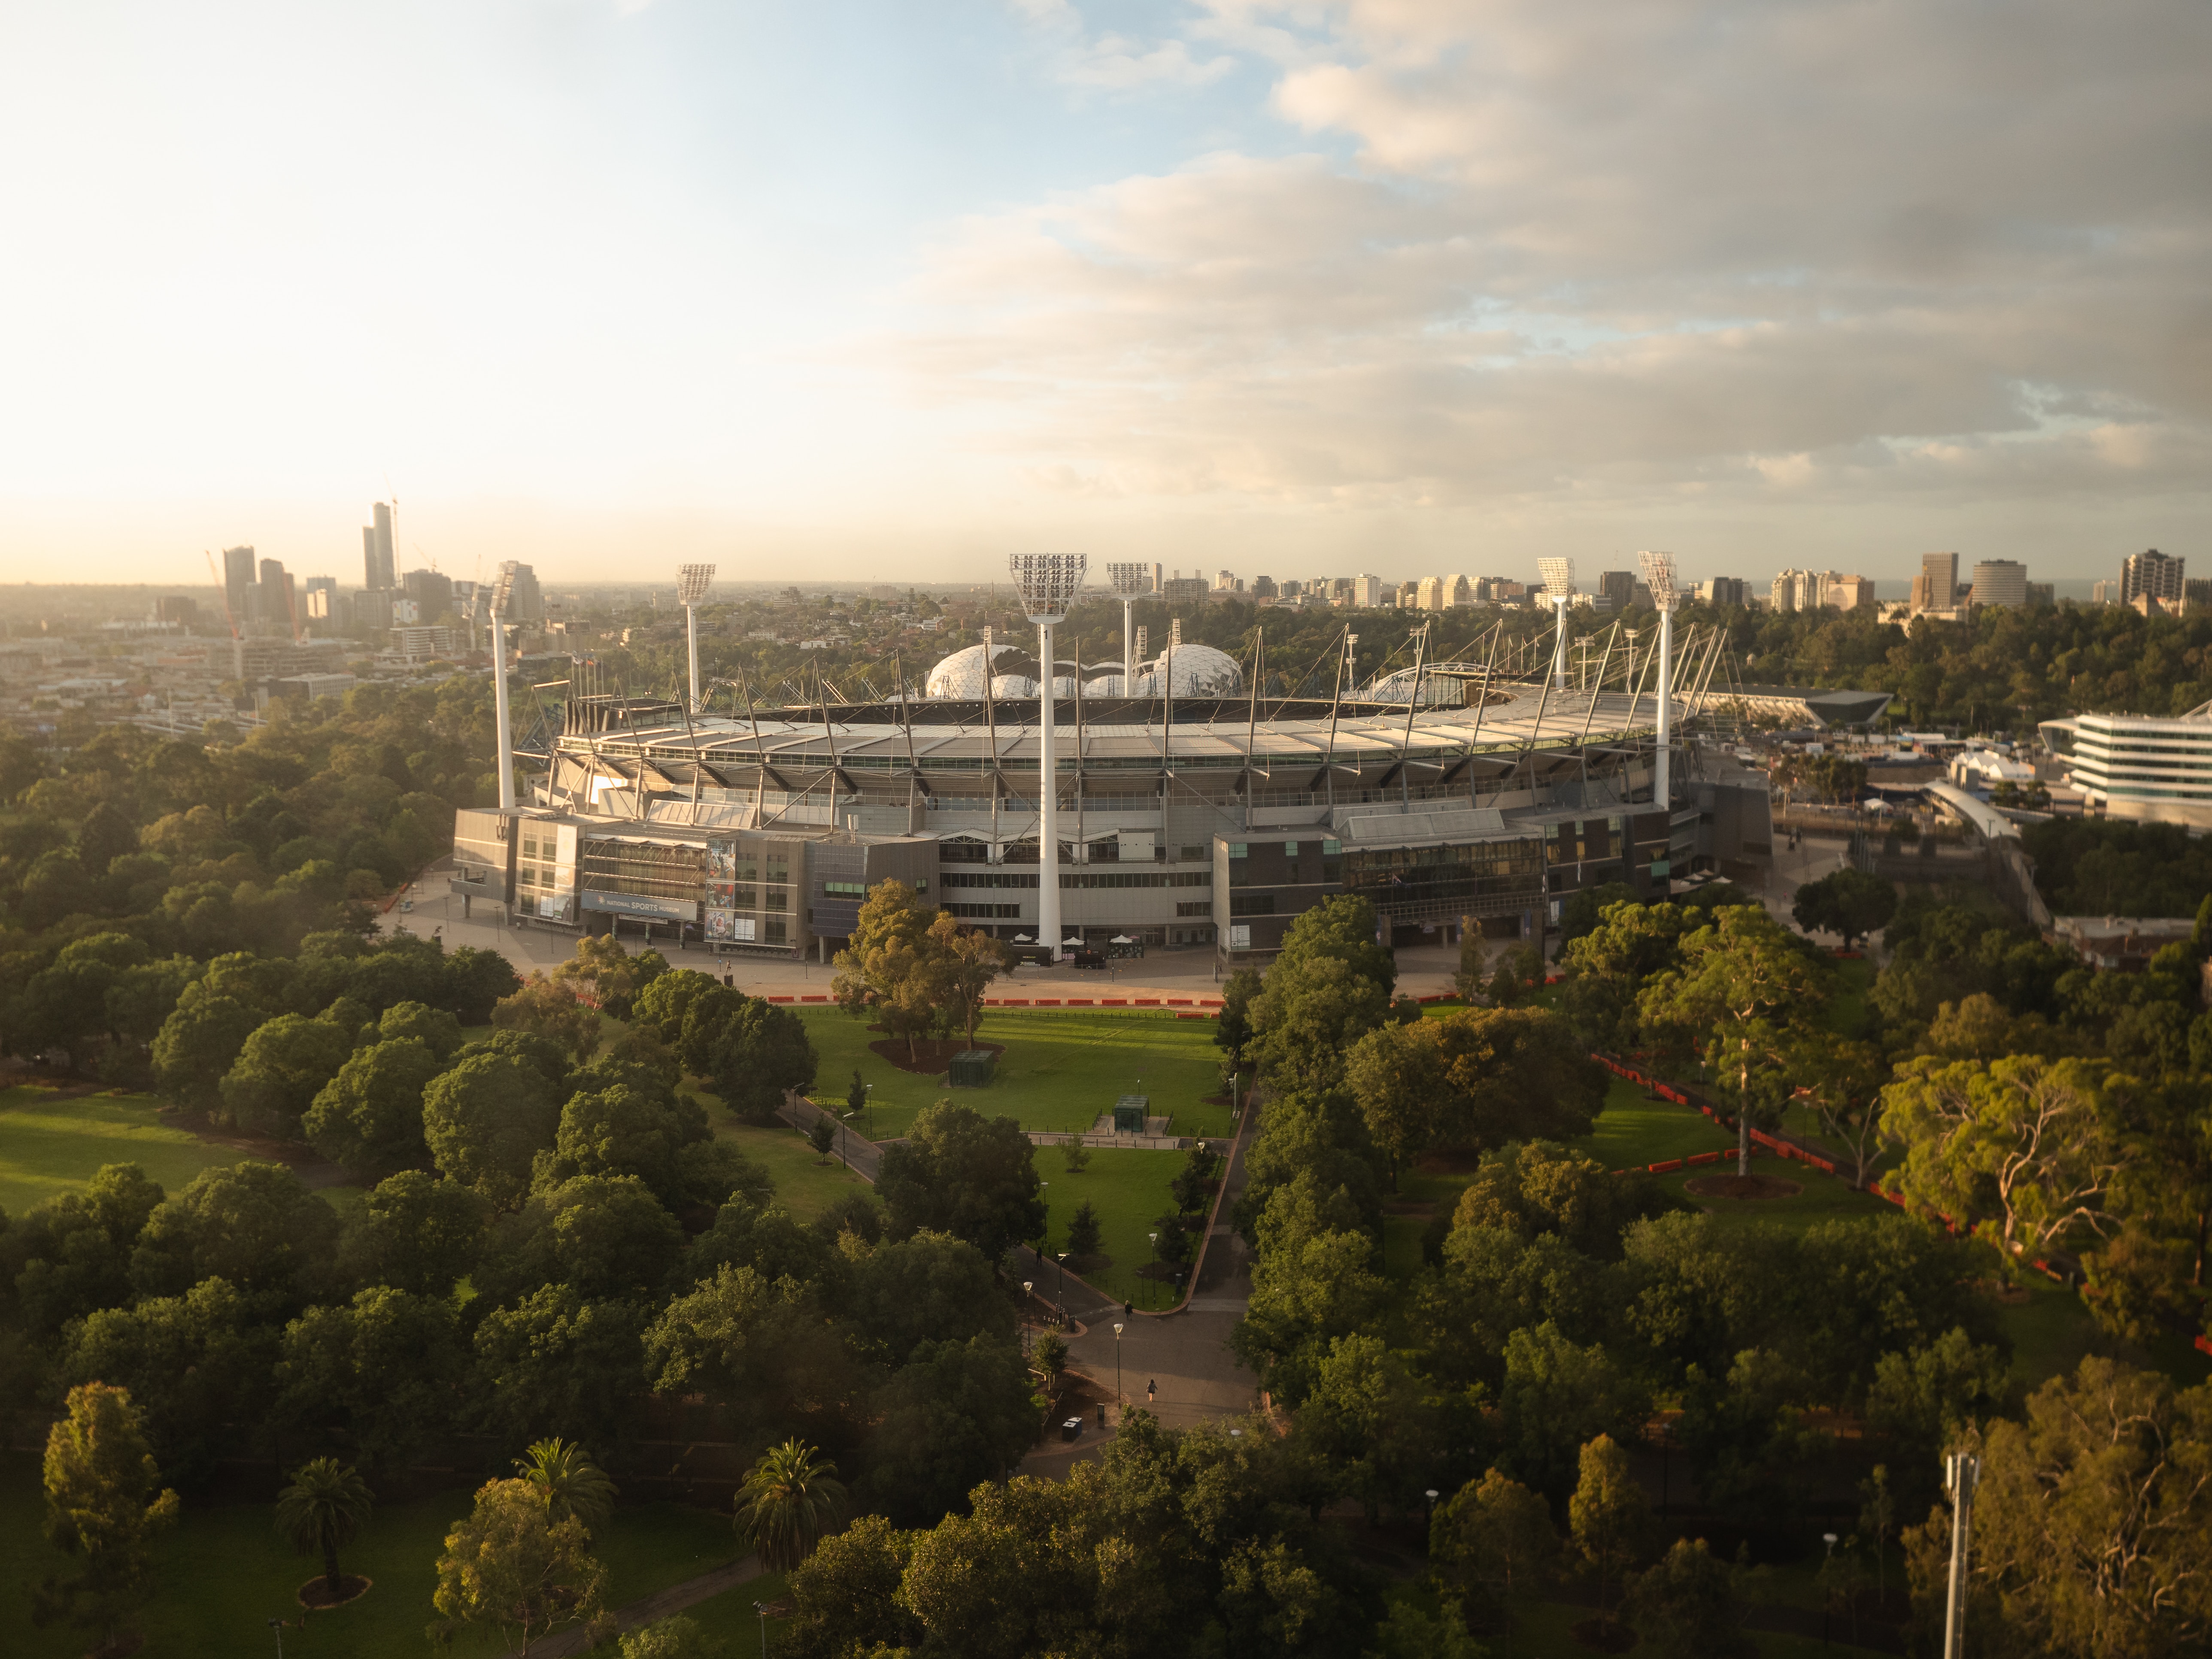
(1909, 247)
(1112, 62)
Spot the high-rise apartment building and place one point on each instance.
(433, 593)
(2151, 575)
(1366, 593)
(526, 601)
(2104, 592)
(1617, 588)
(379, 573)
(1721, 590)
(1846, 592)
(1936, 586)
(1429, 593)
(1458, 591)
(2001, 581)
(1796, 589)
(2043, 592)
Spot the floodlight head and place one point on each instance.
(1559, 576)
(691, 581)
(502, 588)
(1659, 577)
(1047, 582)
(1130, 579)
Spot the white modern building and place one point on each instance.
(2136, 766)
(2001, 581)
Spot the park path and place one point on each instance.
(659, 1605)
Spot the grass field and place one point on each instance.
(804, 1184)
(1061, 1070)
(224, 1573)
(49, 1145)
(1129, 1191)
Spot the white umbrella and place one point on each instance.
(1122, 939)
(1023, 939)
(1066, 942)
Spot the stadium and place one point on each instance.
(1188, 810)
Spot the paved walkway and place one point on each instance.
(645, 1611)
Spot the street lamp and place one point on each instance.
(1829, 1539)
(278, 1624)
(1062, 1305)
(761, 1607)
(1117, 1369)
(1431, 1494)
(1155, 1237)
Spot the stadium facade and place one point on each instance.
(1189, 813)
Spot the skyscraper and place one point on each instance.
(1936, 586)
(526, 599)
(2151, 575)
(1617, 588)
(379, 573)
(237, 583)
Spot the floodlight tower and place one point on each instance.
(1129, 580)
(691, 580)
(1047, 582)
(1659, 577)
(1559, 589)
(502, 591)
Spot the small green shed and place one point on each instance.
(972, 1068)
(1129, 1112)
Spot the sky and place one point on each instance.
(881, 290)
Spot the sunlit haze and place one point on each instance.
(880, 290)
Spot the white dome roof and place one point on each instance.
(961, 674)
(1199, 672)
(1013, 686)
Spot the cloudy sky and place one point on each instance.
(879, 288)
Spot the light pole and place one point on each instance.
(1432, 1494)
(278, 1624)
(1961, 1475)
(1046, 581)
(1117, 1370)
(1155, 1237)
(1061, 1306)
(1659, 577)
(1129, 580)
(761, 1607)
(691, 581)
(1559, 589)
(1029, 1290)
(1827, 1560)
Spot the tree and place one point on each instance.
(1513, 1074)
(486, 1120)
(569, 1482)
(791, 1498)
(191, 1364)
(892, 969)
(512, 1567)
(968, 961)
(956, 1415)
(1474, 953)
(673, 1638)
(1687, 1605)
(929, 1288)
(1083, 1232)
(1409, 1633)
(1559, 1395)
(1609, 1514)
(1519, 975)
(2022, 1147)
(474, 982)
(1744, 996)
(1049, 1356)
(77, 1248)
(196, 1044)
(255, 1224)
(1844, 1080)
(1232, 1031)
(368, 1117)
(637, 1127)
(417, 1233)
(2092, 1521)
(322, 1510)
(1330, 986)
(103, 1505)
(557, 1360)
(1848, 902)
(845, 1596)
(382, 1373)
(759, 1055)
(438, 1030)
(614, 977)
(956, 1173)
(1396, 1073)
(549, 1008)
(822, 1137)
(1495, 1529)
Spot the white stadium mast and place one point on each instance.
(1047, 583)
(1659, 577)
(1559, 589)
(691, 582)
(1129, 580)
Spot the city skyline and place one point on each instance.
(1275, 288)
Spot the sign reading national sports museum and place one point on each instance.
(638, 905)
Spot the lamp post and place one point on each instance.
(1432, 1495)
(1029, 1289)
(1117, 1370)
(1961, 1475)
(761, 1607)
(1559, 589)
(1129, 580)
(1155, 1237)
(1060, 1304)
(1046, 581)
(1829, 1539)
(278, 1624)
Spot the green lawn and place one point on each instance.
(1062, 1068)
(1129, 1191)
(49, 1145)
(1847, 1005)
(224, 1573)
(804, 1185)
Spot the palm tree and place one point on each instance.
(570, 1483)
(322, 1508)
(791, 1498)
